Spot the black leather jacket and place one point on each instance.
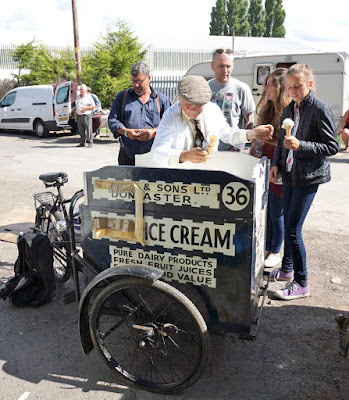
(318, 140)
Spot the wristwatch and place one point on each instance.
(125, 133)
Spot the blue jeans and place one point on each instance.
(275, 223)
(297, 202)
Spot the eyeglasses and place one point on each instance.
(138, 82)
(220, 51)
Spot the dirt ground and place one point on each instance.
(296, 353)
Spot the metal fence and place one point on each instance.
(166, 85)
(158, 59)
(7, 62)
(176, 59)
(166, 60)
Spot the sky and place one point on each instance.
(161, 23)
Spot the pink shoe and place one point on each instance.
(279, 275)
(292, 291)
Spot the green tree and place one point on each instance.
(275, 18)
(218, 24)
(107, 70)
(229, 15)
(45, 66)
(279, 19)
(269, 17)
(256, 18)
(237, 17)
(23, 55)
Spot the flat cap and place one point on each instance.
(194, 89)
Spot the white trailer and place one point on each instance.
(331, 72)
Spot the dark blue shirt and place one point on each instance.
(136, 116)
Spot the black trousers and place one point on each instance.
(124, 159)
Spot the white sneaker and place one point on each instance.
(272, 261)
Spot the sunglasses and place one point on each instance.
(220, 51)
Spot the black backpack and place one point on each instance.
(34, 282)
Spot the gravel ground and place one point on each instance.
(295, 355)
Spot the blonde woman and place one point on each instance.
(302, 159)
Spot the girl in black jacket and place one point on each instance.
(302, 160)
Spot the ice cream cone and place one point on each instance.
(213, 141)
(287, 124)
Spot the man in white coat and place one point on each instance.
(85, 106)
(185, 129)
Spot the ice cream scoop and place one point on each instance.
(287, 124)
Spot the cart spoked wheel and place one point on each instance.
(150, 333)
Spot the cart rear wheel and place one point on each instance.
(150, 333)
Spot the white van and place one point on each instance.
(331, 71)
(40, 108)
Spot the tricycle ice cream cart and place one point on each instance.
(171, 255)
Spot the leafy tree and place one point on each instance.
(23, 54)
(229, 15)
(218, 24)
(275, 18)
(279, 19)
(44, 66)
(256, 18)
(237, 17)
(269, 17)
(107, 70)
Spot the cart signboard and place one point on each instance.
(202, 226)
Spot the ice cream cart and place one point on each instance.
(171, 254)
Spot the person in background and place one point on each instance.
(269, 110)
(96, 100)
(344, 130)
(135, 115)
(302, 159)
(97, 109)
(232, 96)
(84, 109)
(187, 127)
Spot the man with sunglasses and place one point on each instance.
(232, 96)
(187, 128)
(135, 115)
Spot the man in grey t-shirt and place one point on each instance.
(232, 96)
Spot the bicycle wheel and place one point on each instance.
(150, 333)
(62, 265)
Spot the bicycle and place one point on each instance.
(52, 220)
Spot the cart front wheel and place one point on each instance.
(150, 333)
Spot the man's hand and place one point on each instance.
(146, 134)
(291, 143)
(133, 134)
(84, 109)
(273, 175)
(273, 141)
(260, 132)
(195, 155)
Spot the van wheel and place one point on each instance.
(40, 129)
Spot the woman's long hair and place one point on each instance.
(269, 112)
